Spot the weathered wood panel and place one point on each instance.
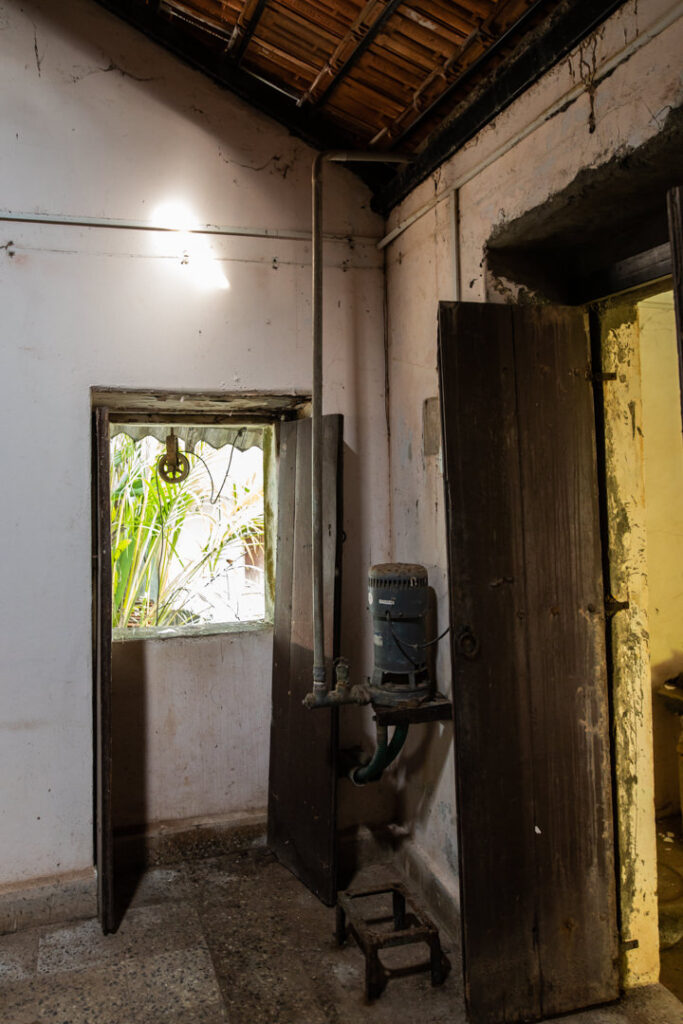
(303, 746)
(490, 685)
(565, 623)
(530, 697)
(102, 675)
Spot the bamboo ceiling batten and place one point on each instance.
(370, 67)
(381, 75)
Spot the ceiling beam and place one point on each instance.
(264, 96)
(563, 30)
(365, 42)
(484, 35)
(241, 34)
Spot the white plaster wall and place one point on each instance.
(191, 727)
(532, 150)
(96, 121)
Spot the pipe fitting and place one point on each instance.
(318, 697)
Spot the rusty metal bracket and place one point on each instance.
(612, 605)
(410, 925)
(599, 378)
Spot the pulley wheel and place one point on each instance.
(173, 473)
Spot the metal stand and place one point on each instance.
(409, 927)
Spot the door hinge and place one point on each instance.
(612, 606)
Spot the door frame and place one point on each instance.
(615, 346)
(109, 404)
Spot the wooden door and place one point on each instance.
(528, 644)
(101, 540)
(302, 790)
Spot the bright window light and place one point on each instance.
(188, 553)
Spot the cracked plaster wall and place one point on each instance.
(610, 115)
(99, 122)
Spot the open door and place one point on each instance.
(101, 539)
(302, 793)
(528, 644)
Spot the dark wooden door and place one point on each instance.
(101, 539)
(528, 643)
(302, 790)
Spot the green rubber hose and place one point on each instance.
(385, 753)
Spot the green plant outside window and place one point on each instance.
(186, 553)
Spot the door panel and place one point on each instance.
(530, 688)
(303, 745)
(490, 687)
(104, 835)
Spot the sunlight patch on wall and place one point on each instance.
(195, 260)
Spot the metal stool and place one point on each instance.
(409, 927)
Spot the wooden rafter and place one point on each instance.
(564, 30)
(349, 51)
(422, 76)
(480, 41)
(245, 27)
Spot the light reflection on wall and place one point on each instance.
(193, 254)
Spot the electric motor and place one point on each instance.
(398, 598)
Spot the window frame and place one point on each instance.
(262, 410)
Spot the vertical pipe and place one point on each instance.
(455, 242)
(319, 674)
(341, 156)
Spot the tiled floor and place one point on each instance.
(234, 939)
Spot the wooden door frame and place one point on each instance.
(615, 352)
(102, 671)
(110, 405)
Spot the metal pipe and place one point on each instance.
(336, 156)
(82, 221)
(319, 673)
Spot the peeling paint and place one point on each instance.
(631, 688)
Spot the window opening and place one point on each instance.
(187, 540)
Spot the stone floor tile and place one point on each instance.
(235, 939)
(18, 955)
(178, 986)
(95, 996)
(144, 930)
(18, 1002)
